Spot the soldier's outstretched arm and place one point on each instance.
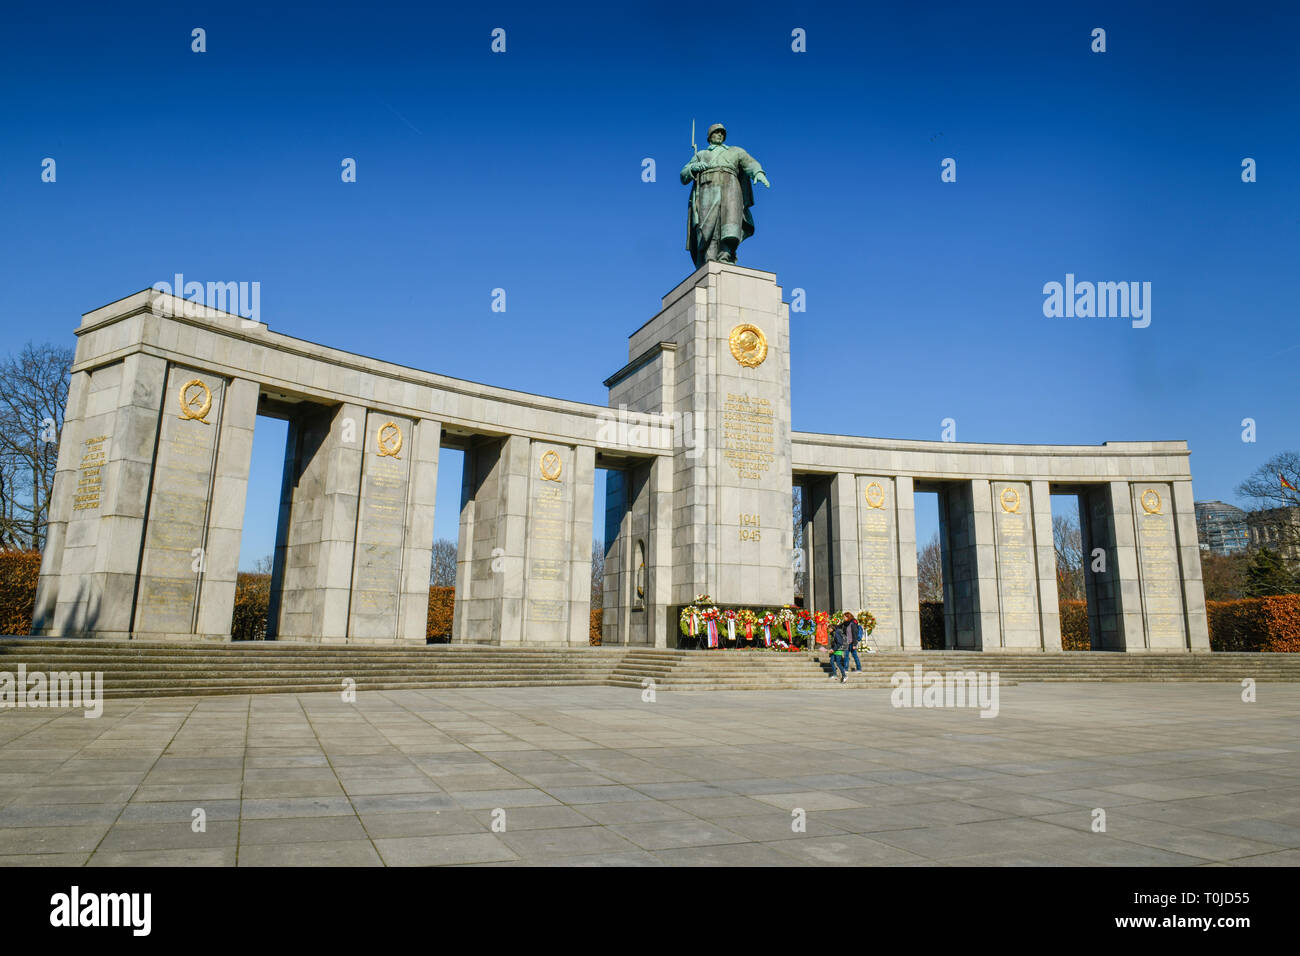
(753, 169)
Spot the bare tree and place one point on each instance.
(1224, 575)
(442, 573)
(597, 573)
(1264, 486)
(1265, 490)
(262, 565)
(929, 571)
(33, 394)
(1069, 558)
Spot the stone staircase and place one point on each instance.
(143, 669)
(767, 670)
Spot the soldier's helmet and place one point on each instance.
(717, 126)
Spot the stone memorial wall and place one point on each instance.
(147, 512)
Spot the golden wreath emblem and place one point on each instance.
(748, 345)
(389, 440)
(551, 466)
(195, 405)
(875, 495)
(1151, 501)
(1010, 500)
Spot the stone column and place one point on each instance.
(471, 617)
(381, 533)
(61, 505)
(847, 588)
(580, 529)
(1189, 552)
(226, 516)
(1130, 634)
(341, 490)
(1105, 601)
(909, 595)
(659, 573)
(417, 552)
(512, 535)
(319, 517)
(821, 552)
(175, 541)
(490, 572)
(618, 533)
(877, 503)
(1159, 566)
(986, 568)
(1017, 566)
(111, 460)
(1049, 608)
(971, 589)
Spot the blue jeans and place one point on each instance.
(857, 664)
(840, 661)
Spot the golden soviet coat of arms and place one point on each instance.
(196, 401)
(748, 345)
(551, 466)
(875, 495)
(389, 440)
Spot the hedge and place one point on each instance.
(593, 636)
(18, 573)
(1074, 626)
(441, 603)
(252, 595)
(932, 625)
(1255, 624)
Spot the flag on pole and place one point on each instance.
(1285, 483)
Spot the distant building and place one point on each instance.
(1221, 528)
(1275, 528)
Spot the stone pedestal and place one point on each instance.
(728, 401)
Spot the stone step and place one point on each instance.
(298, 688)
(304, 667)
(295, 681)
(173, 669)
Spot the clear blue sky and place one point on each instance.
(523, 171)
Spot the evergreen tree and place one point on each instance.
(1267, 575)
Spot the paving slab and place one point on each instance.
(594, 776)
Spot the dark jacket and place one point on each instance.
(845, 636)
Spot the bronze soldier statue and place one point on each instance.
(721, 194)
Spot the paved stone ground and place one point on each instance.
(1188, 774)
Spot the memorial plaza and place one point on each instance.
(1183, 774)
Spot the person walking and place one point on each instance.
(839, 649)
(854, 630)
